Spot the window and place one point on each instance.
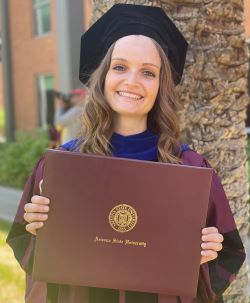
(44, 83)
(42, 17)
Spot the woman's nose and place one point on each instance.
(132, 78)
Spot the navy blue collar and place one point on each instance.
(142, 146)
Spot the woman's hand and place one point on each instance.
(211, 244)
(36, 213)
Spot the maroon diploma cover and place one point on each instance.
(122, 224)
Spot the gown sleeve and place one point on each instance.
(18, 238)
(216, 275)
(22, 242)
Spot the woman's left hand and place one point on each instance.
(211, 244)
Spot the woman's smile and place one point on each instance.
(129, 96)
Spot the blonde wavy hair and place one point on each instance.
(97, 117)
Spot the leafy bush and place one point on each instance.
(2, 121)
(18, 158)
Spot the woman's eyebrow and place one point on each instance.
(122, 59)
(152, 65)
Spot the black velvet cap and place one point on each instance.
(129, 19)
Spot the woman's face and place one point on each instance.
(132, 81)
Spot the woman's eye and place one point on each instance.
(119, 68)
(149, 73)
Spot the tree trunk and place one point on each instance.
(214, 96)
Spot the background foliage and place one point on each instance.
(18, 158)
(2, 121)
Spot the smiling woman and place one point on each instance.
(131, 59)
(126, 95)
(132, 82)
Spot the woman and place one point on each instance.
(132, 112)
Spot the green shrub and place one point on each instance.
(18, 158)
(1, 120)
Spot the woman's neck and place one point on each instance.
(129, 125)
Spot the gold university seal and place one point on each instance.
(122, 218)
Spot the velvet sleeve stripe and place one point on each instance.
(219, 284)
(223, 270)
(233, 238)
(19, 240)
(225, 260)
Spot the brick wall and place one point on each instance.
(30, 56)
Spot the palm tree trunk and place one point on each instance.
(214, 97)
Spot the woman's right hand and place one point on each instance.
(36, 213)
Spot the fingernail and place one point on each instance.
(203, 252)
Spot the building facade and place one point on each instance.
(33, 59)
(40, 59)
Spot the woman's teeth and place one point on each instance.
(129, 95)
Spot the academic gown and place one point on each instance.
(215, 276)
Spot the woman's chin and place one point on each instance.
(129, 112)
